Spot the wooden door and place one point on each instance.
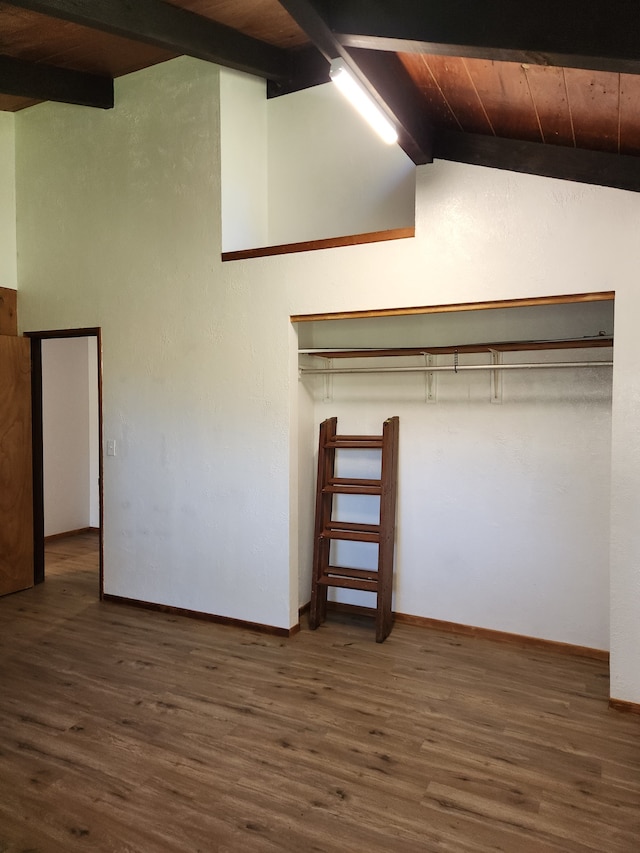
(16, 486)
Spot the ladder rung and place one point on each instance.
(350, 583)
(341, 571)
(356, 438)
(350, 536)
(352, 490)
(351, 531)
(355, 443)
(353, 481)
(352, 525)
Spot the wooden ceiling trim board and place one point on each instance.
(504, 93)
(34, 37)
(13, 103)
(465, 65)
(629, 114)
(589, 34)
(434, 99)
(44, 82)
(549, 95)
(619, 108)
(600, 168)
(594, 97)
(453, 81)
(535, 106)
(171, 28)
(453, 307)
(264, 20)
(390, 90)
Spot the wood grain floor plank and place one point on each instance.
(141, 732)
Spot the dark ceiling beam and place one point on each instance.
(390, 79)
(178, 30)
(397, 99)
(49, 83)
(590, 34)
(307, 68)
(534, 158)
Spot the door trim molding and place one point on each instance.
(37, 438)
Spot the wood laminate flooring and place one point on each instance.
(130, 730)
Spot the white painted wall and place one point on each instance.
(123, 214)
(122, 208)
(70, 428)
(243, 156)
(8, 273)
(278, 154)
(329, 175)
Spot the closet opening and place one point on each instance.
(503, 484)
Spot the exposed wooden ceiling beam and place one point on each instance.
(591, 34)
(393, 92)
(48, 83)
(178, 30)
(534, 158)
(308, 67)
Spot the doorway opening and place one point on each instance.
(78, 477)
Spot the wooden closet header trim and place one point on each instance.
(602, 296)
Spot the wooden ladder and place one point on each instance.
(325, 575)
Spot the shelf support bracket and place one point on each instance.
(327, 396)
(430, 380)
(496, 377)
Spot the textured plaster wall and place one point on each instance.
(328, 174)
(119, 226)
(484, 234)
(243, 154)
(279, 153)
(8, 274)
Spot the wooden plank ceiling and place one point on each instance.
(552, 90)
(574, 107)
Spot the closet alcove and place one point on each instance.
(503, 484)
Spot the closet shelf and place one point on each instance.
(502, 346)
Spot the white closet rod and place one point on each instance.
(316, 371)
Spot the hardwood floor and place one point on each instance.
(130, 730)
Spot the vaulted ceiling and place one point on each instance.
(548, 87)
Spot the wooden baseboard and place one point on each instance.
(77, 532)
(624, 706)
(206, 617)
(472, 631)
(505, 637)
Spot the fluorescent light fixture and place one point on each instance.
(361, 100)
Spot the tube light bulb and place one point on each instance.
(363, 103)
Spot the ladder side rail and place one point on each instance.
(388, 500)
(324, 502)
